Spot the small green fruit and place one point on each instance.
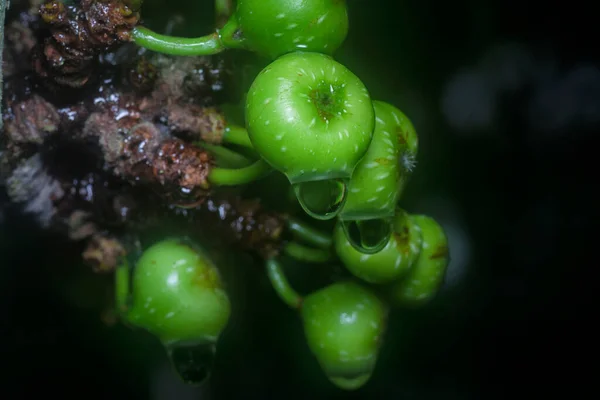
(343, 325)
(380, 176)
(422, 283)
(389, 264)
(275, 27)
(310, 117)
(177, 295)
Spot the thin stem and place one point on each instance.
(240, 176)
(206, 45)
(281, 284)
(307, 254)
(304, 231)
(226, 157)
(177, 46)
(237, 135)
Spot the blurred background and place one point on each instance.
(505, 96)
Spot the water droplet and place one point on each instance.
(192, 362)
(350, 383)
(322, 199)
(368, 236)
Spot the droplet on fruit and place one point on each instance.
(350, 383)
(192, 362)
(322, 199)
(368, 236)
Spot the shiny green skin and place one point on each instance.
(389, 264)
(378, 179)
(302, 136)
(178, 295)
(408, 142)
(343, 325)
(275, 27)
(422, 283)
(405, 131)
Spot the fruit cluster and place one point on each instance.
(348, 158)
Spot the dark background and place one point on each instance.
(505, 96)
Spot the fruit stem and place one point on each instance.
(304, 231)
(306, 254)
(239, 176)
(213, 43)
(237, 135)
(226, 157)
(281, 285)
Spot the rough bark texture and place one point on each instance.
(101, 144)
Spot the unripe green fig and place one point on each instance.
(389, 264)
(312, 119)
(275, 27)
(343, 325)
(378, 180)
(177, 294)
(423, 281)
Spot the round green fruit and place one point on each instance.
(177, 295)
(423, 281)
(389, 264)
(275, 27)
(310, 117)
(344, 324)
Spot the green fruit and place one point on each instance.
(392, 262)
(343, 325)
(310, 117)
(378, 179)
(406, 133)
(275, 27)
(177, 295)
(421, 284)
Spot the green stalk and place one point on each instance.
(306, 254)
(309, 234)
(226, 157)
(237, 135)
(213, 43)
(240, 176)
(281, 285)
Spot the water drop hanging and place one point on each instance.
(350, 383)
(368, 236)
(322, 199)
(192, 362)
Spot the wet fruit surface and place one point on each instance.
(344, 324)
(392, 262)
(177, 294)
